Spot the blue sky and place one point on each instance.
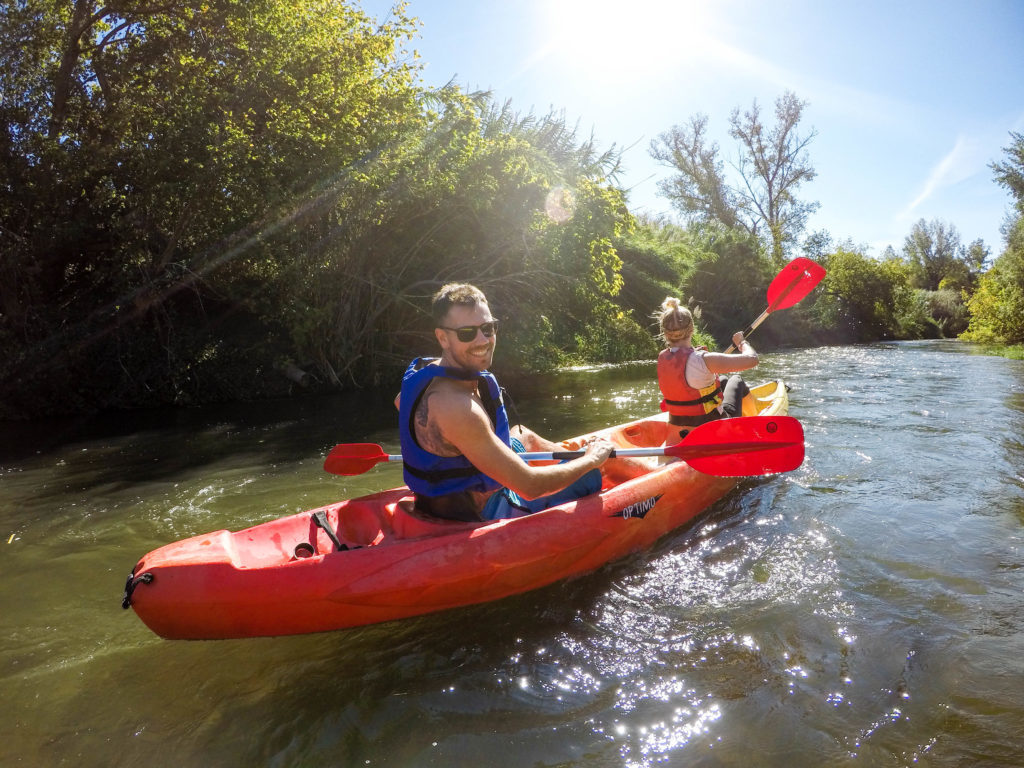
(911, 100)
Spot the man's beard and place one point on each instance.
(471, 362)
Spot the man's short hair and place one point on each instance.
(462, 294)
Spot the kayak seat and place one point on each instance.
(643, 434)
(649, 433)
(763, 397)
(361, 524)
(408, 523)
(751, 406)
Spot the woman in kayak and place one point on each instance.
(689, 376)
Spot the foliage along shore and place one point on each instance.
(1012, 352)
(216, 201)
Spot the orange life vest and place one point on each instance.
(681, 399)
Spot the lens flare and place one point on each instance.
(560, 205)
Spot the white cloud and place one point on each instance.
(964, 160)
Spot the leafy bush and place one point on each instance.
(997, 307)
(617, 341)
(947, 310)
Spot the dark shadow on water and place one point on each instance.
(295, 416)
(1015, 401)
(144, 446)
(369, 409)
(577, 381)
(128, 447)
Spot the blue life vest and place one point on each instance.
(425, 472)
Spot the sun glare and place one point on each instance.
(619, 41)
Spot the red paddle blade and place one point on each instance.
(795, 281)
(354, 458)
(749, 445)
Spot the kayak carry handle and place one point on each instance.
(320, 521)
(131, 584)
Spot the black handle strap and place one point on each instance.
(320, 521)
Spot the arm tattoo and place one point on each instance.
(429, 434)
(421, 412)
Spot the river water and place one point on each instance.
(865, 609)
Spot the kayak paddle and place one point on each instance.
(795, 281)
(744, 446)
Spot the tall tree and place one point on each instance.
(862, 299)
(977, 256)
(935, 254)
(771, 164)
(151, 153)
(1010, 173)
(699, 189)
(196, 192)
(997, 308)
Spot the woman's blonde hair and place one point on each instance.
(674, 317)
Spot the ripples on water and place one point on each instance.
(864, 609)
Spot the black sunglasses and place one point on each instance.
(467, 333)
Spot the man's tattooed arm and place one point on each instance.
(428, 433)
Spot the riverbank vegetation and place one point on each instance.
(219, 200)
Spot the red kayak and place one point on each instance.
(373, 559)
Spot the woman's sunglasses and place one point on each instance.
(467, 333)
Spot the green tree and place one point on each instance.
(517, 205)
(997, 307)
(977, 257)
(817, 244)
(935, 254)
(727, 280)
(864, 299)
(657, 259)
(1010, 172)
(772, 163)
(947, 311)
(203, 191)
(154, 158)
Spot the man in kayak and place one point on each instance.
(689, 376)
(458, 451)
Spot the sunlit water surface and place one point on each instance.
(865, 609)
